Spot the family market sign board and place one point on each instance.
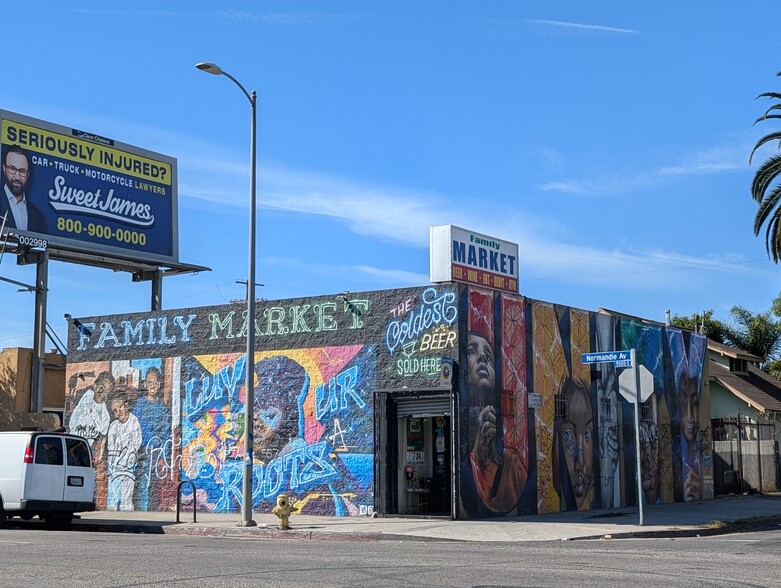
(461, 255)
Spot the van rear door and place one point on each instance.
(79, 473)
(44, 479)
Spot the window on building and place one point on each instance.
(561, 407)
(606, 411)
(738, 365)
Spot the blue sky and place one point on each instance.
(609, 140)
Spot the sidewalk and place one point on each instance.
(667, 520)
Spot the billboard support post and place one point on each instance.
(39, 336)
(157, 290)
(249, 398)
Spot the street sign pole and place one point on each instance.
(637, 436)
(628, 359)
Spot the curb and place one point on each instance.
(259, 532)
(273, 533)
(322, 533)
(746, 525)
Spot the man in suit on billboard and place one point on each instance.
(15, 204)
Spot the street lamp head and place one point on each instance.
(211, 68)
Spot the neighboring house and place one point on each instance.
(15, 381)
(746, 420)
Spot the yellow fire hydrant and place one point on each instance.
(282, 510)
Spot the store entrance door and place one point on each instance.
(424, 444)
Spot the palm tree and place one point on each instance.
(765, 189)
(758, 333)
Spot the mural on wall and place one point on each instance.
(313, 434)
(160, 396)
(495, 462)
(564, 337)
(580, 450)
(687, 358)
(609, 416)
(124, 409)
(647, 341)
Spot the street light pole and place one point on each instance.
(249, 399)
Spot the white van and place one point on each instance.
(50, 475)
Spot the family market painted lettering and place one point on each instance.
(278, 320)
(150, 331)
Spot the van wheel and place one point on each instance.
(58, 522)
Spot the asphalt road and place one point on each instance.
(33, 558)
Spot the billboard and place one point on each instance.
(83, 192)
(465, 256)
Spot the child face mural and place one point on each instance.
(576, 436)
(120, 407)
(104, 385)
(154, 384)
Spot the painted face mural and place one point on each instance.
(649, 449)
(313, 435)
(498, 430)
(576, 437)
(481, 369)
(687, 360)
(647, 341)
(153, 479)
(688, 400)
(279, 385)
(566, 437)
(608, 414)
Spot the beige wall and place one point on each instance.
(15, 382)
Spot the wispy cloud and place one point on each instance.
(607, 185)
(277, 19)
(287, 18)
(359, 273)
(708, 161)
(404, 214)
(575, 27)
(393, 275)
(509, 28)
